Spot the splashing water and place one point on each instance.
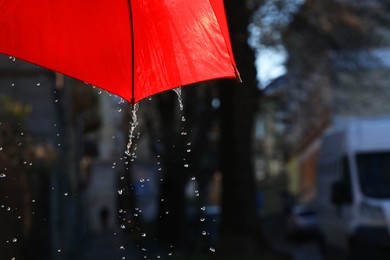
(180, 99)
(133, 125)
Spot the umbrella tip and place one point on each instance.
(238, 76)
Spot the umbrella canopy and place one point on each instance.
(132, 48)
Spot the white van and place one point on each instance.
(353, 190)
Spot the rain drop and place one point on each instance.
(212, 249)
(186, 165)
(123, 226)
(1, 148)
(38, 84)
(203, 208)
(143, 234)
(65, 194)
(14, 240)
(204, 233)
(2, 175)
(120, 192)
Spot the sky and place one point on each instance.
(270, 61)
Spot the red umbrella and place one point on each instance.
(132, 48)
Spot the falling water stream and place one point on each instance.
(133, 125)
(179, 98)
(130, 151)
(134, 120)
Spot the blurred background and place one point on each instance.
(234, 175)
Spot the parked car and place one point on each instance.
(302, 222)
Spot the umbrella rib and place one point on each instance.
(132, 51)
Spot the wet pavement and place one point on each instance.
(119, 246)
(298, 249)
(108, 245)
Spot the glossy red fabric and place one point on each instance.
(176, 42)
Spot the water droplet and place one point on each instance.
(186, 165)
(59, 250)
(202, 219)
(193, 178)
(2, 175)
(203, 208)
(99, 92)
(142, 180)
(66, 194)
(143, 234)
(212, 249)
(123, 226)
(1, 148)
(122, 247)
(38, 84)
(183, 119)
(204, 233)
(14, 240)
(120, 192)
(13, 84)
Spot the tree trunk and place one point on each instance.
(240, 225)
